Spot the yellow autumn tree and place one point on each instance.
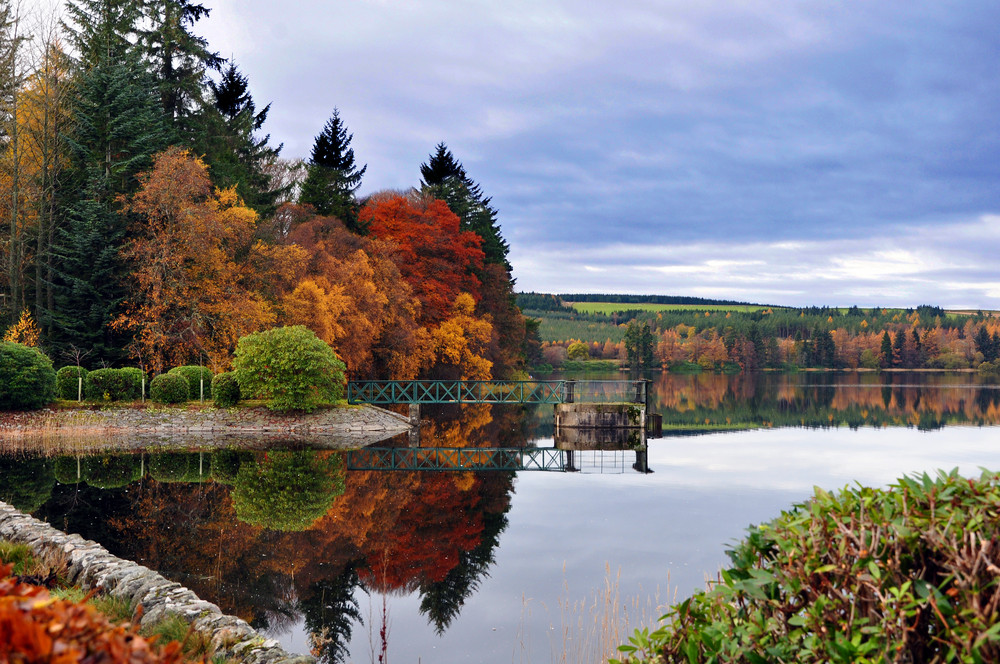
(24, 331)
(459, 343)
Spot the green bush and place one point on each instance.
(27, 379)
(225, 390)
(68, 470)
(290, 367)
(875, 575)
(26, 483)
(113, 384)
(193, 375)
(169, 388)
(111, 471)
(68, 382)
(287, 490)
(180, 467)
(226, 463)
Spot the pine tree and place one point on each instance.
(232, 147)
(178, 57)
(332, 177)
(445, 178)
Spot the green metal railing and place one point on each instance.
(496, 391)
(449, 459)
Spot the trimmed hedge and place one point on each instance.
(226, 390)
(68, 383)
(27, 379)
(116, 384)
(180, 467)
(169, 388)
(902, 574)
(111, 471)
(193, 375)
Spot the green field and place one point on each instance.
(611, 307)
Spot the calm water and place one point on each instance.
(497, 566)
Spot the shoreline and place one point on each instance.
(132, 426)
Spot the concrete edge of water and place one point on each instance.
(92, 566)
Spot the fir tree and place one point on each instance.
(230, 142)
(445, 178)
(332, 177)
(179, 58)
(886, 350)
(102, 31)
(117, 127)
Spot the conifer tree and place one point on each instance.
(332, 177)
(178, 57)
(445, 178)
(232, 147)
(117, 127)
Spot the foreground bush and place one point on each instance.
(194, 375)
(169, 388)
(905, 574)
(68, 382)
(113, 384)
(27, 379)
(35, 627)
(290, 367)
(225, 390)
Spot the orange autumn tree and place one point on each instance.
(193, 288)
(353, 297)
(433, 254)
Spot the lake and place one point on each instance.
(362, 565)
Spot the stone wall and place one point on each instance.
(92, 566)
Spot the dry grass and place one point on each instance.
(590, 630)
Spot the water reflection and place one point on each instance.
(291, 538)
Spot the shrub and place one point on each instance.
(26, 483)
(225, 390)
(287, 490)
(578, 351)
(180, 467)
(193, 375)
(169, 388)
(111, 471)
(290, 367)
(880, 575)
(226, 464)
(27, 379)
(40, 628)
(116, 384)
(68, 382)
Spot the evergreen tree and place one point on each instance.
(332, 177)
(899, 349)
(102, 31)
(232, 147)
(886, 350)
(331, 610)
(117, 127)
(445, 178)
(179, 58)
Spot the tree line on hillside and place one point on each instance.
(877, 338)
(148, 219)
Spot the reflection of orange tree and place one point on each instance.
(287, 490)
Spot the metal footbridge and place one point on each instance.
(415, 392)
(503, 459)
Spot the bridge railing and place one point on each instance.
(496, 391)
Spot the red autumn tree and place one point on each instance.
(436, 257)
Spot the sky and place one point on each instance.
(774, 151)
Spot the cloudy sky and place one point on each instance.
(779, 151)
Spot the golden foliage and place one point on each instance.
(24, 331)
